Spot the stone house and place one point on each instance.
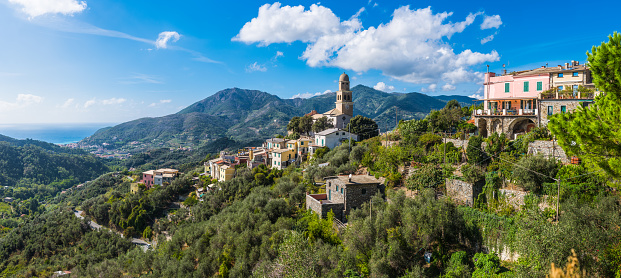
(343, 194)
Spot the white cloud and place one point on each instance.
(34, 8)
(381, 86)
(478, 94)
(411, 47)
(28, 99)
(89, 103)
(21, 101)
(276, 24)
(256, 67)
(162, 101)
(310, 95)
(68, 103)
(113, 101)
(139, 78)
(432, 88)
(448, 87)
(491, 22)
(165, 37)
(487, 39)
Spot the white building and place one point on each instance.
(333, 137)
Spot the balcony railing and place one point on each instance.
(576, 96)
(506, 112)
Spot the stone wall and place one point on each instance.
(463, 192)
(514, 197)
(548, 149)
(570, 104)
(322, 208)
(458, 143)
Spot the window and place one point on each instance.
(550, 110)
(574, 74)
(322, 142)
(341, 190)
(526, 86)
(506, 87)
(560, 74)
(539, 86)
(575, 87)
(563, 109)
(364, 191)
(560, 88)
(279, 163)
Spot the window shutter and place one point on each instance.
(539, 86)
(506, 87)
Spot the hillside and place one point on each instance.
(29, 162)
(244, 115)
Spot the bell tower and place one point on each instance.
(344, 102)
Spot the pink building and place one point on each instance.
(147, 178)
(514, 94)
(515, 103)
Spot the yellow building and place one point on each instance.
(282, 158)
(227, 172)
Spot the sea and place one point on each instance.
(53, 133)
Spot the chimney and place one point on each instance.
(349, 178)
(560, 67)
(566, 65)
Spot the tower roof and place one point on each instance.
(344, 77)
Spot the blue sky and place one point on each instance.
(72, 61)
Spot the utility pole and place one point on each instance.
(386, 134)
(558, 197)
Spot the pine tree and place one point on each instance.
(594, 133)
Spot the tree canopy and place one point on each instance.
(362, 126)
(594, 132)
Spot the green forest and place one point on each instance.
(257, 225)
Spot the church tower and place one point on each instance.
(344, 102)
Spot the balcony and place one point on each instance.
(506, 112)
(578, 95)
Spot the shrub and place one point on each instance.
(540, 170)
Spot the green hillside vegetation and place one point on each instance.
(240, 114)
(256, 225)
(33, 168)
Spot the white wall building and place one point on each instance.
(333, 137)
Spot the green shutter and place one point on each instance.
(506, 87)
(526, 86)
(539, 86)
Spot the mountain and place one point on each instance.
(243, 115)
(463, 100)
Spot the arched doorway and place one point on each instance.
(521, 126)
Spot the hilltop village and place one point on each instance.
(493, 189)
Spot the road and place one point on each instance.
(143, 244)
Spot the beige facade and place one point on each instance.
(282, 158)
(344, 108)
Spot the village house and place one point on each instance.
(333, 137)
(515, 103)
(343, 194)
(162, 176)
(256, 157)
(7, 199)
(158, 177)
